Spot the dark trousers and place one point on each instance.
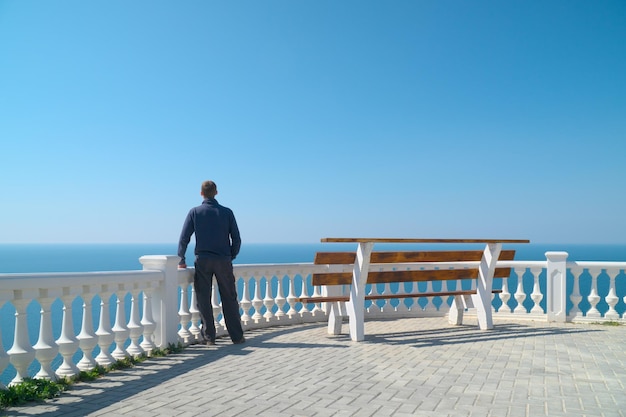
(203, 284)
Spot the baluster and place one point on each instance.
(374, 307)
(268, 301)
(185, 316)
(120, 330)
(21, 353)
(402, 307)
(134, 325)
(291, 297)
(104, 332)
(147, 322)
(67, 342)
(536, 295)
(505, 296)
(257, 302)
(87, 339)
(46, 349)
(576, 297)
(520, 295)
(304, 311)
(416, 307)
(593, 297)
(316, 306)
(194, 329)
(4, 358)
(216, 307)
(430, 306)
(611, 299)
(245, 302)
(279, 300)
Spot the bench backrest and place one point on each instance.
(376, 277)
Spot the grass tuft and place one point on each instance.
(32, 389)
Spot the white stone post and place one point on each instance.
(556, 286)
(164, 298)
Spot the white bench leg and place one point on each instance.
(456, 311)
(482, 298)
(336, 314)
(459, 304)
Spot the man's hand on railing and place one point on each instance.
(182, 266)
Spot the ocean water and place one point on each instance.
(32, 258)
(27, 258)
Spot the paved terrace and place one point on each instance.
(405, 367)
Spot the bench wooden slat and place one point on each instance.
(409, 240)
(424, 294)
(343, 258)
(381, 277)
(331, 299)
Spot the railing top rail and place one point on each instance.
(597, 264)
(411, 240)
(61, 279)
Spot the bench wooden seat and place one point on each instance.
(408, 267)
(403, 275)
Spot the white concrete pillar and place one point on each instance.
(556, 286)
(164, 298)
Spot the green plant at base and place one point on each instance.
(31, 389)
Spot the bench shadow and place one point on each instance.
(466, 333)
(116, 386)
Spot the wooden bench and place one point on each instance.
(400, 267)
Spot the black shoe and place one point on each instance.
(210, 343)
(240, 341)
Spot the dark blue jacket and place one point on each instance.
(217, 234)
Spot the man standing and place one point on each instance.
(217, 244)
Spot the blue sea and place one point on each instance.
(26, 258)
(32, 258)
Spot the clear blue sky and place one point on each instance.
(502, 119)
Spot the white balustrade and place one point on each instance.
(185, 315)
(245, 304)
(593, 296)
(4, 358)
(505, 296)
(104, 332)
(194, 329)
(135, 328)
(46, 348)
(257, 301)
(268, 301)
(120, 329)
(280, 300)
(152, 326)
(575, 297)
(87, 338)
(520, 294)
(67, 341)
(611, 298)
(536, 295)
(147, 322)
(21, 353)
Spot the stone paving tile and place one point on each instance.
(405, 367)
